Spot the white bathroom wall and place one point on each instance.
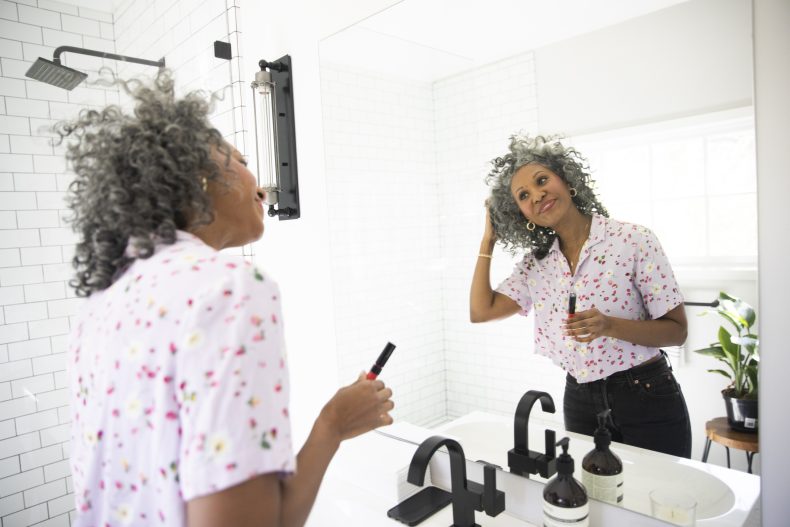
(642, 71)
(385, 245)
(36, 244)
(184, 31)
(475, 113)
(35, 251)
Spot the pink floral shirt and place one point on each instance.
(179, 386)
(622, 271)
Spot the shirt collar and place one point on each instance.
(596, 236)
(188, 236)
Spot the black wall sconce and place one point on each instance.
(54, 73)
(275, 137)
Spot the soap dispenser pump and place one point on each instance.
(602, 469)
(564, 498)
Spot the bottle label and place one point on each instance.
(604, 488)
(554, 516)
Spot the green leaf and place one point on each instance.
(722, 372)
(747, 313)
(746, 340)
(751, 373)
(734, 319)
(737, 309)
(752, 344)
(713, 351)
(730, 349)
(725, 296)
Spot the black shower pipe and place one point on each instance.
(102, 54)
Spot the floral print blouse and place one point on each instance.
(622, 271)
(179, 386)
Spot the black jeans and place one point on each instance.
(648, 408)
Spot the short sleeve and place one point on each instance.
(516, 287)
(232, 383)
(654, 277)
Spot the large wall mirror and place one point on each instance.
(417, 100)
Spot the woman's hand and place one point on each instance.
(358, 408)
(588, 325)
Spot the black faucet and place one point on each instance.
(521, 459)
(467, 496)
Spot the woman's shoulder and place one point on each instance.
(624, 229)
(205, 268)
(527, 262)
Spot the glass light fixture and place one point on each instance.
(275, 138)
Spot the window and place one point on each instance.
(692, 181)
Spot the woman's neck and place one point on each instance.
(573, 232)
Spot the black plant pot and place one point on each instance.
(741, 413)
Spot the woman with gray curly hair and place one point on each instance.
(603, 293)
(180, 388)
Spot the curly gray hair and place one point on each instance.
(509, 223)
(139, 176)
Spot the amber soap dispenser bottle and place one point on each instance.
(564, 498)
(602, 470)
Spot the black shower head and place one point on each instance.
(55, 73)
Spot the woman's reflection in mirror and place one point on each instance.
(628, 303)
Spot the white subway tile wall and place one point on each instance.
(36, 243)
(33, 404)
(476, 112)
(419, 239)
(183, 32)
(385, 246)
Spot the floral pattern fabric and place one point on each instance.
(622, 271)
(179, 386)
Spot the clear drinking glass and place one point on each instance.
(673, 506)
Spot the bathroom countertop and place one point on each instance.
(367, 477)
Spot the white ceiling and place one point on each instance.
(427, 40)
(431, 39)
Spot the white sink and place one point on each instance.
(724, 496)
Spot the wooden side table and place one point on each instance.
(719, 431)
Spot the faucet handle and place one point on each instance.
(547, 463)
(493, 499)
(551, 443)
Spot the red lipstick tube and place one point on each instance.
(381, 361)
(571, 305)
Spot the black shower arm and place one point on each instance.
(102, 54)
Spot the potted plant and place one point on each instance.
(739, 352)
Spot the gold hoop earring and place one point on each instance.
(573, 192)
(204, 184)
(530, 226)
